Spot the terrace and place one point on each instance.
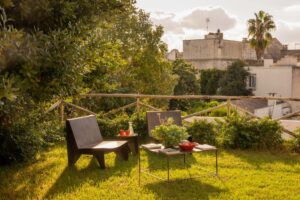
(244, 174)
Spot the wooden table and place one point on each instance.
(132, 142)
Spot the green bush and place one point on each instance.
(52, 131)
(202, 131)
(221, 112)
(18, 142)
(244, 132)
(110, 127)
(295, 143)
(169, 134)
(202, 105)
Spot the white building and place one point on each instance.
(280, 79)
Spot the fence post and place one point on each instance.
(228, 107)
(138, 108)
(62, 110)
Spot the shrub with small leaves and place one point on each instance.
(170, 134)
(202, 131)
(244, 132)
(296, 141)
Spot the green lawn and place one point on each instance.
(244, 174)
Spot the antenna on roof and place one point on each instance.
(207, 22)
(297, 44)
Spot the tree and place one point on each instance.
(146, 70)
(209, 81)
(259, 32)
(187, 84)
(233, 82)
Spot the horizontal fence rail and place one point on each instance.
(208, 97)
(138, 103)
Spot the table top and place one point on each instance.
(160, 149)
(127, 136)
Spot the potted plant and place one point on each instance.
(169, 134)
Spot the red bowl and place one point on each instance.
(122, 132)
(187, 146)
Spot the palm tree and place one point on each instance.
(259, 32)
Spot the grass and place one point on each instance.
(244, 174)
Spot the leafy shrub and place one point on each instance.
(245, 132)
(202, 131)
(169, 134)
(221, 112)
(18, 143)
(110, 127)
(52, 131)
(295, 146)
(202, 105)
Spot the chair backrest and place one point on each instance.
(154, 118)
(85, 130)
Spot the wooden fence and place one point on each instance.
(140, 97)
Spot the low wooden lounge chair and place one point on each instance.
(84, 137)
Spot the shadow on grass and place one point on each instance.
(72, 177)
(184, 189)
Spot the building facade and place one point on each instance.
(279, 79)
(215, 52)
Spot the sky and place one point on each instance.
(187, 19)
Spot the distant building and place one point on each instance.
(277, 75)
(280, 79)
(174, 54)
(215, 52)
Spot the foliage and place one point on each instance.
(49, 15)
(56, 49)
(111, 127)
(18, 143)
(245, 132)
(7, 90)
(221, 112)
(202, 131)
(169, 134)
(233, 83)
(259, 30)
(146, 70)
(187, 84)
(18, 140)
(209, 81)
(295, 146)
(200, 105)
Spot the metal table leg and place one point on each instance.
(168, 167)
(139, 168)
(217, 162)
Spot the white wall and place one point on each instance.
(273, 80)
(275, 111)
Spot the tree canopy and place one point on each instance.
(259, 32)
(188, 83)
(54, 49)
(233, 83)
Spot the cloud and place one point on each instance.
(293, 8)
(218, 19)
(194, 20)
(288, 32)
(167, 21)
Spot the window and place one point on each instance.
(251, 81)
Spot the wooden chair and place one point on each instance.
(154, 118)
(84, 137)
